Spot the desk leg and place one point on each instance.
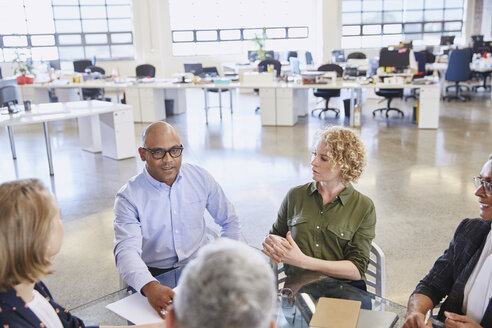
(352, 105)
(205, 93)
(230, 97)
(48, 146)
(12, 144)
(220, 103)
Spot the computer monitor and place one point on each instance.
(447, 40)
(195, 68)
(398, 58)
(338, 56)
(481, 47)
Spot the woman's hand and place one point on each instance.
(454, 320)
(283, 250)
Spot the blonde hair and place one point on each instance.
(27, 209)
(345, 150)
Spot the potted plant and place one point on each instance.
(23, 68)
(260, 42)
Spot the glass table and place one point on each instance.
(296, 300)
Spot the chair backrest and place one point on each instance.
(420, 58)
(309, 58)
(79, 66)
(375, 274)
(8, 95)
(356, 55)
(97, 69)
(263, 65)
(291, 54)
(376, 271)
(331, 68)
(145, 70)
(458, 65)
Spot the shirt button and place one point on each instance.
(317, 245)
(317, 227)
(177, 231)
(174, 212)
(320, 212)
(342, 234)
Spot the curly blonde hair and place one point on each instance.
(345, 150)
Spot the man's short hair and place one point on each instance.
(27, 209)
(229, 284)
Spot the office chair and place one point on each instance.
(375, 273)
(213, 72)
(291, 54)
(309, 58)
(420, 58)
(79, 66)
(328, 93)
(356, 55)
(9, 97)
(263, 67)
(458, 71)
(94, 93)
(145, 70)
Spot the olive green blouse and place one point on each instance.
(340, 230)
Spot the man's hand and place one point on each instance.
(158, 296)
(454, 320)
(416, 320)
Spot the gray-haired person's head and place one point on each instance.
(229, 284)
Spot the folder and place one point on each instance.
(335, 313)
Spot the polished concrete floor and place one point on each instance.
(419, 180)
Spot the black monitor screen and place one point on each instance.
(338, 56)
(398, 58)
(195, 68)
(481, 47)
(447, 40)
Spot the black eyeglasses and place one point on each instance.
(487, 186)
(159, 153)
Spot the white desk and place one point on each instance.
(103, 126)
(281, 102)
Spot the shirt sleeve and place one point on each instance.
(439, 281)
(358, 249)
(128, 244)
(222, 210)
(280, 227)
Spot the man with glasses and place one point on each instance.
(462, 274)
(159, 215)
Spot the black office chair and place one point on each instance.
(356, 55)
(79, 66)
(145, 70)
(94, 93)
(9, 97)
(309, 58)
(291, 54)
(458, 71)
(263, 67)
(213, 72)
(328, 93)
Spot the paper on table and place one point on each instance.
(136, 309)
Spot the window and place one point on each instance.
(379, 23)
(66, 30)
(210, 27)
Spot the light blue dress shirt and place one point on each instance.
(163, 226)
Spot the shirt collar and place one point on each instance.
(157, 184)
(344, 196)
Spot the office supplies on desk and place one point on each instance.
(335, 313)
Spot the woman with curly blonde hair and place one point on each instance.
(326, 225)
